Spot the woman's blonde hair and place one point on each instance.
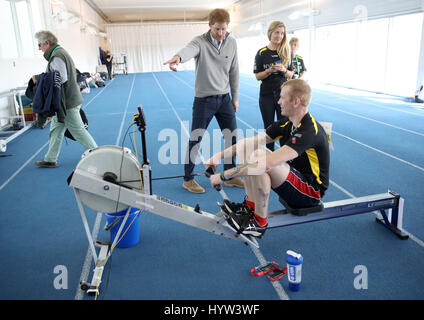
(283, 48)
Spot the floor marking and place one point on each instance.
(38, 151)
(89, 257)
(98, 93)
(23, 166)
(370, 119)
(336, 95)
(172, 106)
(414, 238)
(342, 189)
(379, 151)
(125, 112)
(276, 284)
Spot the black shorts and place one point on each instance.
(297, 191)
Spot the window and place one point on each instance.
(36, 15)
(334, 58)
(8, 46)
(304, 45)
(20, 20)
(380, 55)
(25, 30)
(371, 54)
(403, 54)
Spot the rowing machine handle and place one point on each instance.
(140, 120)
(208, 173)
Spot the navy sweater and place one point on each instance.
(47, 96)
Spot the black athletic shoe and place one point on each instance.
(242, 219)
(247, 226)
(235, 207)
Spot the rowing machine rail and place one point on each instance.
(389, 205)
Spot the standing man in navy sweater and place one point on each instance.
(217, 73)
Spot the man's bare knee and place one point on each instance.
(258, 158)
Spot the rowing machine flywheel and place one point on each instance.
(109, 163)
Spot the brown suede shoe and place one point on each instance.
(46, 164)
(235, 182)
(193, 186)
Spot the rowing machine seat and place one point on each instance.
(301, 211)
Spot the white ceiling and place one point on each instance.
(121, 11)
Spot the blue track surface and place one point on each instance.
(377, 142)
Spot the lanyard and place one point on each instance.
(297, 66)
(54, 51)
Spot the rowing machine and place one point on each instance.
(104, 181)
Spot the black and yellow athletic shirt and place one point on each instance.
(309, 140)
(298, 65)
(264, 59)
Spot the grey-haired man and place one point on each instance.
(71, 100)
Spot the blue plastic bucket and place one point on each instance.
(132, 236)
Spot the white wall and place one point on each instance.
(148, 45)
(82, 46)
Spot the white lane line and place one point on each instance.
(379, 151)
(79, 295)
(125, 112)
(411, 236)
(23, 166)
(339, 96)
(370, 119)
(172, 106)
(88, 103)
(39, 150)
(276, 284)
(88, 256)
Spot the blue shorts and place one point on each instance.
(297, 192)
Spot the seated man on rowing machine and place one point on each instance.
(298, 171)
